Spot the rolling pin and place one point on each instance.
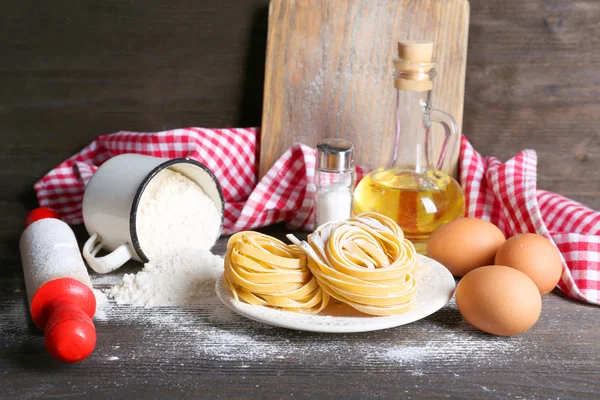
(59, 289)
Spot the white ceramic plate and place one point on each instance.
(435, 286)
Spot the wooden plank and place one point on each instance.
(532, 82)
(567, 158)
(210, 352)
(74, 70)
(65, 83)
(540, 32)
(328, 70)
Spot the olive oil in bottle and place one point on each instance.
(418, 207)
(415, 187)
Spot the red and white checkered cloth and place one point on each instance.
(285, 193)
(505, 194)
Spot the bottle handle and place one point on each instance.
(449, 144)
(109, 262)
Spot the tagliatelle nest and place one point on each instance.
(262, 270)
(364, 262)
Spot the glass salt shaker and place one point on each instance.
(335, 178)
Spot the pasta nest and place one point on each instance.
(262, 270)
(365, 262)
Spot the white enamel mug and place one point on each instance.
(111, 200)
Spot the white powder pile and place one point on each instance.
(180, 278)
(173, 213)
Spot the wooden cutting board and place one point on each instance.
(329, 70)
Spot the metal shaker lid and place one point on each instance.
(334, 155)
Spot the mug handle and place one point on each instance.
(109, 262)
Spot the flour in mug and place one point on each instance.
(174, 213)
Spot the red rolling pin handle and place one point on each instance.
(63, 308)
(38, 214)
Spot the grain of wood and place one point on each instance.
(328, 70)
(74, 69)
(209, 351)
(532, 82)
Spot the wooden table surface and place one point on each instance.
(210, 352)
(71, 70)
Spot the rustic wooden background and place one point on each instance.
(74, 69)
(328, 72)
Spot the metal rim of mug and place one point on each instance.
(138, 195)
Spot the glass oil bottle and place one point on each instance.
(415, 188)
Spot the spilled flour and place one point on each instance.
(179, 279)
(208, 330)
(198, 327)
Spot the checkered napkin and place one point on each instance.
(506, 193)
(285, 193)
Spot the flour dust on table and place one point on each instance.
(208, 330)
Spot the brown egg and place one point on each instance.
(499, 300)
(465, 244)
(535, 256)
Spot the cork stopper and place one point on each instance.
(416, 51)
(414, 65)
